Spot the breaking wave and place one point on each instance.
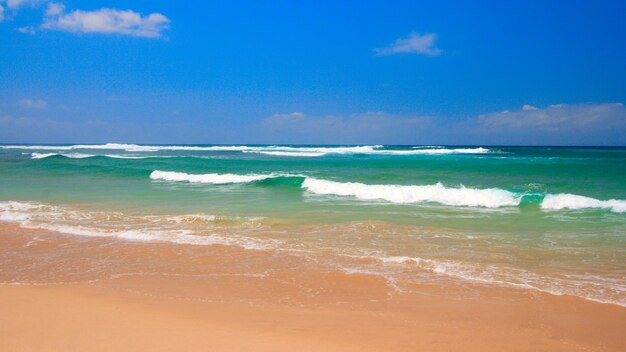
(274, 150)
(575, 202)
(216, 179)
(437, 193)
(69, 155)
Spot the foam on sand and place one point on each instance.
(608, 291)
(437, 193)
(180, 229)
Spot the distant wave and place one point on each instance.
(83, 156)
(215, 179)
(438, 193)
(275, 150)
(281, 153)
(441, 150)
(574, 202)
(69, 155)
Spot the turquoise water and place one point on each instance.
(552, 219)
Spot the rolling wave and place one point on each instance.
(576, 202)
(437, 193)
(404, 194)
(216, 179)
(69, 155)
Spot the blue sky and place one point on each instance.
(391, 72)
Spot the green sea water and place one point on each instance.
(545, 218)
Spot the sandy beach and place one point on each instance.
(291, 306)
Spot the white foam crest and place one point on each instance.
(281, 153)
(207, 178)
(275, 150)
(575, 202)
(155, 148)
(438, 193)
(69, 155)
(42, 155)
(118, 156)
(446, 151)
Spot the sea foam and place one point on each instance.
(69, 155)
(151, 228)
(275, 150)
(437, 193)
(575, 202)
(207, 178)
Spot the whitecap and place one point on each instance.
(574, 202)
(212, 178)
(401, 194)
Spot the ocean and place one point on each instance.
(551, 219)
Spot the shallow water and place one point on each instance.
(549, 219)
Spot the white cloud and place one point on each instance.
(55, 9)
(590, 123)
(26, 30)
(562, 124)
(33, 103)
(1, 13)
(15, 4)
(560, 116)
(105, 21)
(415, 43)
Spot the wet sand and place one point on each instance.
(91, 294)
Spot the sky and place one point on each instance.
(313, 72)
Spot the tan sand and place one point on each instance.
(208, 300)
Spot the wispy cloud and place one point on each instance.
(1, 13)
(33, 103)
(15, 4)
(590, 123)
(557, 117)
(562, 124)
(27, 30)
(105, 21)
(415, 43)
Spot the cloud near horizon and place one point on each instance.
(33, 103)
(589, 123)
(360, 128)
(562, 124)
(105, 21)
(415, 43)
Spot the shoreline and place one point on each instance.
(150, 296)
